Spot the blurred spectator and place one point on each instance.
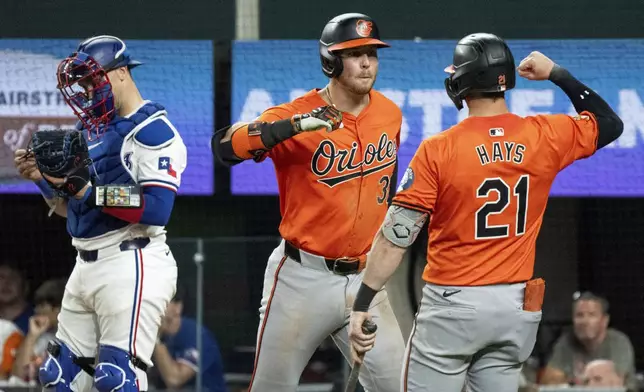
(602, 373)
(590, 339)
(176, 355)
(42, 328)
(10, 339)
(13, 297)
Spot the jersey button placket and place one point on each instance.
(357, 217)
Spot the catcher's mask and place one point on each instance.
(86, 88)
(83, 80)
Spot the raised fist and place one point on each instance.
(536, 67)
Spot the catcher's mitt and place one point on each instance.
(62, 154)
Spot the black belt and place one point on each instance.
(137, 243)
(341, 266)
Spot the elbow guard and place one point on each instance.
(223, 151)
(402, 225)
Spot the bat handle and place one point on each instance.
(369, 327)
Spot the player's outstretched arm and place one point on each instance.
(242, 141)
(539, 67)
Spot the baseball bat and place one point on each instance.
(367, 328)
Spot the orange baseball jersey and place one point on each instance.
(10, 340)
(486, 183)
(334, 186)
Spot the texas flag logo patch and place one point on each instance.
(165, 165)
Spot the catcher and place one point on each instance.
(115, 178)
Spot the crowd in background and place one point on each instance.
(589, 353)
(28, 321)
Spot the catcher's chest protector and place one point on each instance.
(109, 167)
(106, 151)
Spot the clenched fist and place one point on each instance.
(536, 67)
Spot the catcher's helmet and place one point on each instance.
(343, 32)
(483, 63)
(83, 81)
(108, 51)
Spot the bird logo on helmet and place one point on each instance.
(84, 82)
(344, 32)
(364, 27)
(482, 64)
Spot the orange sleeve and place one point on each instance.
(418, 188)
(572, 138)
(247, 145)
(9, 350)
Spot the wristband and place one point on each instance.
(45, 189)
(363, 298)
(119, 196)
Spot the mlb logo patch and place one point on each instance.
(165, 165)
(496, 132)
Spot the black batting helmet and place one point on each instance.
(483, 63)
(343, 32)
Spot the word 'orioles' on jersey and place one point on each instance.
(334, 186)
(486, 182)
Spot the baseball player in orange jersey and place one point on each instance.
(485, 183)
(334, 189)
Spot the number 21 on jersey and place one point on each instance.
(482, 229)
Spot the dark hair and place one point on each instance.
(13, 266)
(589, 296)
(51, 293)
(495, 95)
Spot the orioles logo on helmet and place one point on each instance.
(364, 27)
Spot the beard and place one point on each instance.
(357, 85)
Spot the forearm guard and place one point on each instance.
(250, 141)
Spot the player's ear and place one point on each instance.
(120, 74)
